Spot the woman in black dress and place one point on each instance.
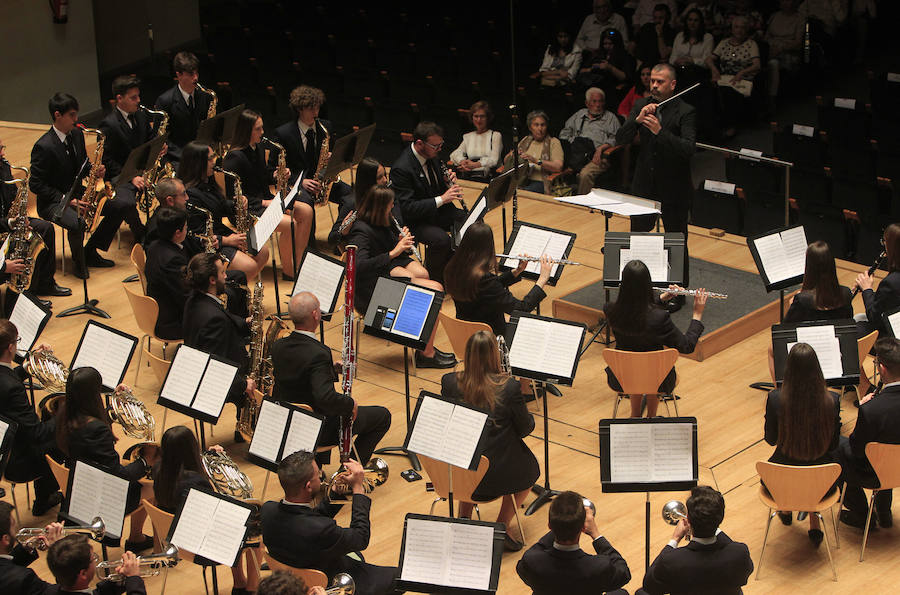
(641, 323)
(384, 251)
(84, 433)
(513, 467)
(369, 173)
(196, 172)
(803, 420)
(247, 158)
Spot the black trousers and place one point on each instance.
(26, 468)
(121, 208)
(858, 478)
(70, 221)
(371, 424)
(675, 219)
(433, 233)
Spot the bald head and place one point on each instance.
(304, 311)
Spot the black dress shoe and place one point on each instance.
(511, 545)
(434, 362)
(857, 520)
(444, 355)
(885, 518)
(80, 272)
(94, 260)
(42, 507)
(785, 517)
(56, 290)
(815, 536)
(45, 303)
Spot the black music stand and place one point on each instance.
(403, 313)
(496, 194)
(99, 343)
(669, 431)
(22, 316)
(310, 277)
(348, 151)
(521, 231)
(845, 333)
(83, 478)
(218, 131)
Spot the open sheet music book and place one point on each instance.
(826, 345)
(892, 322)
(323, 277)
(106, 349)
(535, 240)
(542, 348)
(211, 525)
(93, 492)
(197, 384)
(447, 431)
(780, 256)
(30, 318)
(288, 200)
(281, 430)
(641, 455)
(450, 555)
(614, 202)
(265, 225)
(649, 250)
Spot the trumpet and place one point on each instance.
(341, 584)
(227, 478)
(375, 473)
(693, 292)
(48, 369)
(538, 258)
(30, 537)
(131, 413)
(588, 504)
(150, 565)
(674, 511)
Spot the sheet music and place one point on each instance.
(650, 251)
(795, 246)
(651, 453)
(427, 436)
(613, 202)
(894, 321)
(184, 375)
(96, 493)
(3, 428)
(211, 527)
(473, 217)
(782, 255)
(535, 242)
(544, 346)
(412, 312)
(628, 453)
(302, 434)
(462, 435)
(672, 453)
(447, 432)
(3, 250)
(105, 351)
(27, 317)
(270, 424)
(266, 224)
(321, 277)
(826, 345)
(213, 390)
(291, 193)
(448, 554)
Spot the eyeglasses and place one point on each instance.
(436, 147)
(94, 557)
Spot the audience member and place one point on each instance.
(784, 34)
(744, 8)
(479, 152)
(543, 152)
(654, 39)
(733, 64)
(597, 125)
(640, 89)
(609, 68)
(691, 48)
(561, 61)
(713, 16)
(592, 28)
(644, 12)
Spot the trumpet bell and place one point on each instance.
(588, 504)
(674, 511)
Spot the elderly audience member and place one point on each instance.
(543, 153)
(595, 123)
(733, 64)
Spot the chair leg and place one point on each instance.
(827, 547)
(837, 539)
(616, 404)
(478, 512)
(12, 490)
(665, 400)
(518, 519)
(27, 495)
(772, 514)
(205, 584)
(165, 579)
(137, 371)
(862, 549)
(675, 403)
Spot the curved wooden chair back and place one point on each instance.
(145, 309)
(162, 522)
(310, 576)
(459, 331)
(885, 460)
(640, 372)
(61, 473)
(139, 260)
(159, 365)
(799, 488)
(864, 346)
(464, 480)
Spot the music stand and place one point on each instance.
(448, 431)
(348, 151)
(780, 257)
(528, 337)
(7, 434)
(322, 276)
(498, 191)
(616, 241)
(29, 317)
(92, 492)
(403, 313)
(891, 319)
(819, 334)
(218, 131)
(648, 455)
(106, 349)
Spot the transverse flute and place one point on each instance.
(538, 258)
(692, 292)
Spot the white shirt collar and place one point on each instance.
(184, 94)
(7, 364)
(62, 137)
(6, 556)
(124, 114)
(303, 127)
(707, 540)
(889, 384)
(309, 334)
(216, 298)
(304, 504)
(566, 548)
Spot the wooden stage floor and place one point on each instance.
(730, 417)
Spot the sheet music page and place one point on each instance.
(214, 387)
(431, 423)
(267, 223)
(650, 251)
(226, 533)
(3, 250)
(320, 277)
(269, 430)
(474, 214)
(627, 209)
(96, 493)
(27, 317)
(529, 241)
(412, 312)
(302, 434)
(794, 241)
(462, 435)
(543, 346)
(184, 376)
(672, 453)
(106, 351)
(193, 524)
(894, 321)
(529, 342)
(826, 345)
(425, 552)
(556, 248)
(291, 193)
(471, 556)
(773, 257)
(629, 449)
(3, 427)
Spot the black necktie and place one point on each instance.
(70, 149)
(191, 103)
(131, 121)
(311, 148)
(432, 175)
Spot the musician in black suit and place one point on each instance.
(425, 197)
(126, 127)
(74, 565)
(556, 560)
(304, 373)
(165, 268)
(663, 170)
(15, 576)
(878, 421)
(298, 534)
(33, 438)
(186, 105)
(58, 164)
(641, 323)
(710, 563)
(209, 327)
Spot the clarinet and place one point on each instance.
(348, 354)
(348, 222)
(413, 249)
(446, 173)
(871, 271)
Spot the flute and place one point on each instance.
(538, 258)
(413, 248)
(692, 292)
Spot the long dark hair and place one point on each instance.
(481, 381)
(243, 129)
(366, 177)
(806, 419)
(629, 312)
(701, 30)
(639, 87)
(81, 404)
(375, 206)
(820, 277)
(475, 258)
(618, 44)
(892, 246)
(193, 164)
(554, 43)
(179, 452)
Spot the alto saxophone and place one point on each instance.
(242, 218)
(321, 197)
(213, 101)
(23, 243)
(281, 172)
(209, 236)
(158, 171)
(96, 193)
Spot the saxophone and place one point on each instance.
(209, 236)
(157, 172)
(96, 193)
(213, 103)
(242, 218)
(281, 173)
(321, 197)
(23, 243)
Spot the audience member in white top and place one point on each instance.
(600, 126)
(479, 152)
(561, 61)
(693, 45)
(602, 18)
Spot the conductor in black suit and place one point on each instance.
(878, 421)
(74, 564)
(186, 105)
(710, 563)
(663, 170)
(15, 576)
(556, 560)
(304, 373)
(57, 159)
(303, 536)
(165, 269)
(426, 198)
(126, 127)
(209, 327)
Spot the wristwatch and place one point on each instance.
(540, 162)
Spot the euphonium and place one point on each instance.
(674, 511)
(134, 417)
(226, 476)
(23, 244)
(342, 584)
(321, 196)
(150, 565)
(242, 218)
(157, 172)
(96, 193)
(29, 537)
(48, 369)
(213, 100)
